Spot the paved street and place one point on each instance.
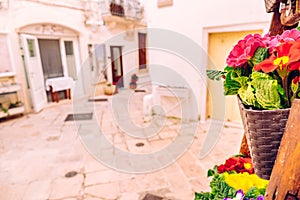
(39, 151)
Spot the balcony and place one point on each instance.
(122, 11)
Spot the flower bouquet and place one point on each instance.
(234, 180)
(263, 71)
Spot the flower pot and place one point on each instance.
(264, 130)
(133, 85)
(109, 90)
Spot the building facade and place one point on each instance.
(214, 26)
(46, 42)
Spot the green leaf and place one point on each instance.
(220, 189)
(262, 91)
(259, 55)
(254, 192)
(231, 86)
(266, 93)
(210, 173)
(203, 196)
(243, 81)
(247, 96)
(215, 74)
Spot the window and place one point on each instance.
(31, 47)
(69, 48)
(70, 57)
(5, 55)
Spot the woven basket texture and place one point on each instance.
(264, 130)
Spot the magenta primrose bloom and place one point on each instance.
(286, 36)
(245, 49)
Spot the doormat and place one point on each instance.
(152, 197)
(98, 100)
(139, 90)
(80, 116)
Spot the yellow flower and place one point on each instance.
(245, 181)
(281, 61)
(247, 165)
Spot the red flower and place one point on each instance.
(296, 80)
(294, 56)
(244, 50)
(284, 59)
(237, 164)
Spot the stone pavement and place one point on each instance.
(38, 151)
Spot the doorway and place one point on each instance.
(142, 51)
(51, 62)
(117, 65)
(51, 58)
(219, 47)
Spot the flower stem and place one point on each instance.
(286, 90)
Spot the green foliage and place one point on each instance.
(231, 85)
(259, 55)
(262, 92)
(203, 196)
(212, 172)
(266, 91)
(259, 90)
(254, 192)
(219, 190)
(215, 74)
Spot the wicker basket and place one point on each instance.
(264, 130)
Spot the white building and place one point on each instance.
(65, 39)
(45, 39)
(215, 26)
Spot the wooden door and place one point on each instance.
(34, 72)
(117, 65)
(220, 44)
(142, 51)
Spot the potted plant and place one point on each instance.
(134, 78)
(234, 180)
(109, 89)
(263, 71)
(133, 85)
(133, 82)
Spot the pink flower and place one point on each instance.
(286, 36)
(245, 49)
(290, 35)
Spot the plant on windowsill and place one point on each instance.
(263, 71)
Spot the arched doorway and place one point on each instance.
(50, 51)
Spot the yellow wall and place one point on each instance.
(219, 46)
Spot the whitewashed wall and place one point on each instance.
(66, 13)
(196, 19)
